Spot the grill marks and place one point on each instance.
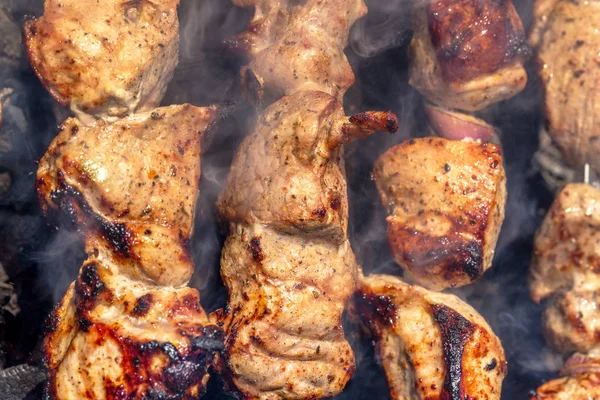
(456, 332)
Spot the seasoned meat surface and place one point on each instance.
(567, 40)
(287, 261)
(139, 174)
(128, 328)
(567, 244)
(571, 322)
(296, 46)
(105, 59)
(467, 54)
(580, 381)
(432, 346)
(445, 202)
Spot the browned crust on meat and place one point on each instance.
(475, 37)
(456, 332)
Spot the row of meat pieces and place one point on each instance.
(452, 253)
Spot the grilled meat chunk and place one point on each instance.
(138, 178)
(581, 381)
(572, 322)
(431, 345)
(295, 46)
(566, 36)
(287, 261)
(105, 59)
(128, 328)
(467, 54)
(567, 244)
(445, 201)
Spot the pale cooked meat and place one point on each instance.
(431, 345)
(566, 36)
(128, 328)
(572, 322)
(580, 381)
(467, 54)
(139, 173)
(105, 59)
(567, 244)
(445, 202)
(287, 261)
(296, 46)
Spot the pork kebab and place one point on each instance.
(565, 36)
(287, 260)
(446, 196)
(565, 271)
(128, 327)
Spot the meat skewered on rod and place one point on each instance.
(565, 36)
(431, 345)
(128, 327)
(287, 260)
(106, 60)
(564, 270)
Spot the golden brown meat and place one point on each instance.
(128, 327)
(572, 322)
(445, 201)
(581, 381)
(566, 36)
(467, 54)
(432, 346)
(287, 261)
(105, 59)
(296, 46)
(567, 244)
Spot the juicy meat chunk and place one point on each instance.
(432, 346)
(580, 381)
(467, 54)
(566, 36)
(567, 244)
(105, 59)
(128, 328)
(115, 337)
(287, 261)
(137, 180)
(572, 322)
(445, 202)
(295, 46)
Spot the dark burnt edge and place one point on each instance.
(454, 256)
(181, 373)
(370, 307)
(70, 202)
(456, 331)
(142, 305)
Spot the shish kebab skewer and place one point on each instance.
(446, 204)
(127, 327)
(287, 260)
(567, 248)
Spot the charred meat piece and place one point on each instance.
(128, 328)
(136, 180)
(580, 381)
(445, 202)
(431, 345)
(287, 261)
(296, 46)
(567, 244)
(467, 54)
(105, 59)
(566, 36)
